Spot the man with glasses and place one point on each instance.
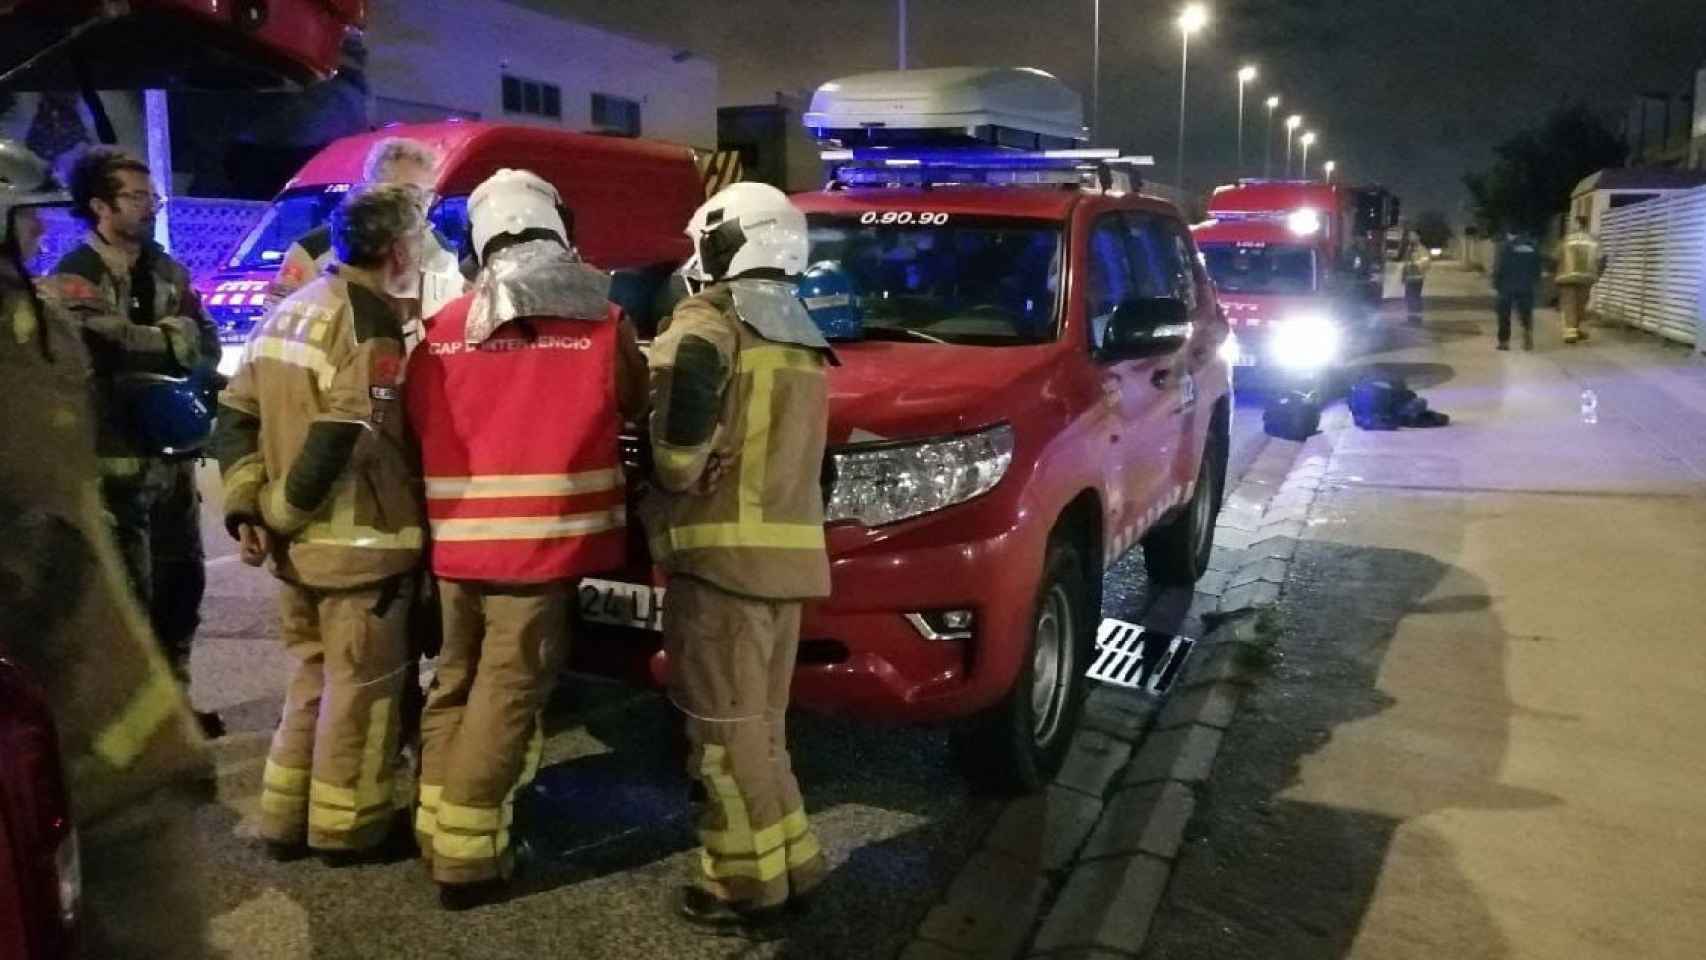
(407, 163)
(139, 315)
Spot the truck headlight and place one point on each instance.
(877, 485)
(1309, 342)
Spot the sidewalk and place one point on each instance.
(1481, 736)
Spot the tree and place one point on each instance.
(1535, 171)
(1434, 229)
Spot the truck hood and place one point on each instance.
(910, 391)
(1258, 309)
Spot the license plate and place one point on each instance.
(635, 605)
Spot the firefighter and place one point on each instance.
(1414, 274)
(141, 319)
(739, 415)
(1516, 274)
(517, 512)
(1577, 274)
(320, 482)
(135, 767)
(397, 160)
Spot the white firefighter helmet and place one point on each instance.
(746, 227)
(514, 202)
(25, 180)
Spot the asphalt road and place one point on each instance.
(608, 819)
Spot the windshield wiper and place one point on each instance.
(871, 331)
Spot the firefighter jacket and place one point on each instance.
(738, 424)
(1580, 264)
(141, 317)
(519, 438)
(311, 440)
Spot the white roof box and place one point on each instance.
(1010, 106)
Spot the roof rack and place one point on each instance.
(1104, 170)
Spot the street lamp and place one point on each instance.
(1096, 72)
(1329, 167)
(1308, 140)
(1291, 124)
(1245, 75)
(1191, 21)
(1268, 143)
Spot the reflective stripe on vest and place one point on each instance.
(522, 485)
(468, 529)
(751, 529)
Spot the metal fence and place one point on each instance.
(1655, 277)
(204, 231)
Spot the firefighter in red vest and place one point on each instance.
(518, 396)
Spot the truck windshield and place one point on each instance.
(290, 216)
(1244, 268)
(988, 281)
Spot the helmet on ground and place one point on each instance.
(172, 416)
(747, 227)
(518, 203)
(827, 292)
(25, 180)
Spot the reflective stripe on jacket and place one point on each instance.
(753, 414)
(519, 447)
(312, 440)
(1580, 263)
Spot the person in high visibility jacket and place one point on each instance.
(738, 422)
(518, 396)
(134, 764)
(321, 483)
(1579, 270)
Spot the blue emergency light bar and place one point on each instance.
(887, 166)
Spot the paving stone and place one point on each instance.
(1224, 559)
(1107, 904)
(1209, 706)
(1214, 583)
(1258, 569)
(990, 908)
(1215, 663)
(1233, 539)
(1045, 829)
(1278, 546)
(1250, 596)
(1119, 713)
(1148, 819)
(1185, 754)
(1093, 762)
(926, 950)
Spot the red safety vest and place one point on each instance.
(519, 447)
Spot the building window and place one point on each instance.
(617, 115)
(532, 97)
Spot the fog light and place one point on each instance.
(943, 624)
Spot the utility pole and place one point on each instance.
(902, 33)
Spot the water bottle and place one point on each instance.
(1590, 407)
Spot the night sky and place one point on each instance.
(1410, 94)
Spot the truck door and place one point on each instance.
(1166, 255)
(1134, 392)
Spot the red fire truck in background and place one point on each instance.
(1299, 267)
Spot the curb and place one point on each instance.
(1079, 870)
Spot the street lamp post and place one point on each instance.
(1291, 124)
(1268, 141)
(1308, 140)
(1245, 75)
(1191, 20)
(1096, 73)
(902, 17)
(1330, 166)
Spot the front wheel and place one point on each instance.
(1020, 744)
(1176, 553)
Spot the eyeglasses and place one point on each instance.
(147, 198)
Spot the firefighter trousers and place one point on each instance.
(329, 774)
(731, 664)
(1573, 304)
(155, 516)
(481, 732)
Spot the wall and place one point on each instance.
(449, 55)
(1655, 277)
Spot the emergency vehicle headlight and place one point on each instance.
(1308, 342)
(230, 358)
(886, 483)
(1304, 222)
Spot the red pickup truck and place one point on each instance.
(1037, 390)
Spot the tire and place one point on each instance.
(1019, 745)
(1176, 553)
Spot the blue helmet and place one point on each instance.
(171, 416)
(827, 292)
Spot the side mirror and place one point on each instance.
(1146, 328)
